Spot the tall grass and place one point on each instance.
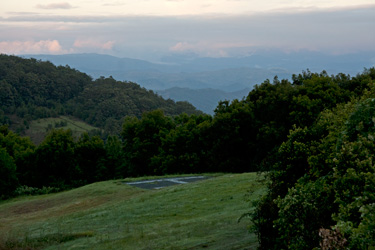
(113, 215)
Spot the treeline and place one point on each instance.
(32, 89)
(59, 162)
(243, 135)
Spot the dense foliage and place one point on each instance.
(321, 190)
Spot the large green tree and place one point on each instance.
(184, 148)
(54, 161)
(232, 136)
(142, 139)
(89, 153)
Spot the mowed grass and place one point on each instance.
(113, 215)
(39, 128)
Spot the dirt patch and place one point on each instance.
(23, 213)
(35, 206)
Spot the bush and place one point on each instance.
(25, 190)
(8, 178)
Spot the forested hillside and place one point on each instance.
(32, 89)
(314, 136)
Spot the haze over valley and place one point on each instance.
(204, 81)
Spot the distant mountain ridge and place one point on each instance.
(269, 61)
(175, 75)
(203, 99)
(195, 74)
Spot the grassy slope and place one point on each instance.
(39, 128)
(112, 215)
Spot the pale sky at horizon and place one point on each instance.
(166, 7)
(148, 29)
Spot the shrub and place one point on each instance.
(8, 178)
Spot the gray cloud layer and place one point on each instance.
(54, 6)
(335, 31)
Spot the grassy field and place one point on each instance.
(39, 128)
(113, 215)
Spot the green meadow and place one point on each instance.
(39, 128)
(114, 215)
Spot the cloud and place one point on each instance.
(88, 43)
(334, 31)
(118, 3)
(51, 6)
(21, 13)
(182, 46)
(31, 47)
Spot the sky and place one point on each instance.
(151, 29)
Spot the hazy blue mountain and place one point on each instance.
(215, 78)
(98, 62)
(203, 99)
(227, 73)
(293, 62)
(217, 73)
(231, 79)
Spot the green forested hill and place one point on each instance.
(32, 89)
(106, 101)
